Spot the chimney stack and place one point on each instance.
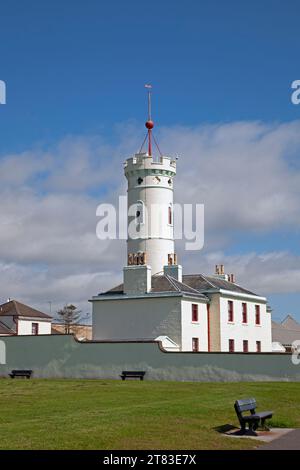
(220, 273)
(137, 279)
(137, 259)
(172, 259)
(174, 270)
(219, 269)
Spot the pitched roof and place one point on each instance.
(162, 283)
(284, 335)
(206, 283)
(191, 283)
(290, 323)
(17, 309)
(166, 283)
(5, 331)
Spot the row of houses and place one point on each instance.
(17, 318)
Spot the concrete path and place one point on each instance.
(289, 441)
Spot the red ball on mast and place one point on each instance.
(149, 124)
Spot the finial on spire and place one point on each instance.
(149, 124)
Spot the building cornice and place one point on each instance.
(149, 295)
(240, 295)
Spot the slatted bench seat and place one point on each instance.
(132, 374)
(253, 419)
(21, 373)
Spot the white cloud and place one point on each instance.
(263, 273)
(242, 173)
(246, 174)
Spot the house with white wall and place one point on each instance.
(160, 306)
(20, 319)
(195, 312)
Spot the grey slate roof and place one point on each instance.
(162, 283)
(206, 283)
(195, 284)
(166, 283)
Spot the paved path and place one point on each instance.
(290, 441)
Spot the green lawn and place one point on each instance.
(105, 414)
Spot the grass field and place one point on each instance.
(98, 414)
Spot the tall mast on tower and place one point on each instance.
(149, 123)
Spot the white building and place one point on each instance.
(19, 319)
(195, 312)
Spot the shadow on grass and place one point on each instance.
(225, 428)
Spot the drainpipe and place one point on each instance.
(208, 326)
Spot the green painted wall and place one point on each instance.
(62, 356)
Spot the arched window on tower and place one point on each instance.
(170, 214)
(139, 214)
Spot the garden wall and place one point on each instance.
(63, 356)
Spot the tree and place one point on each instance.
(69, 315)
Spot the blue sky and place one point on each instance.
(79, 66)
(75, 73)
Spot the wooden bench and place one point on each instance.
(132, 374)
(21, 373)
(253, 419)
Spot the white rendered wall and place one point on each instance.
(194, 329)
(156, 235)
(137, 318)
(25, 327)
(249, 331)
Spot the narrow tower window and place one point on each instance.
(139, 214)
(170, 215)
